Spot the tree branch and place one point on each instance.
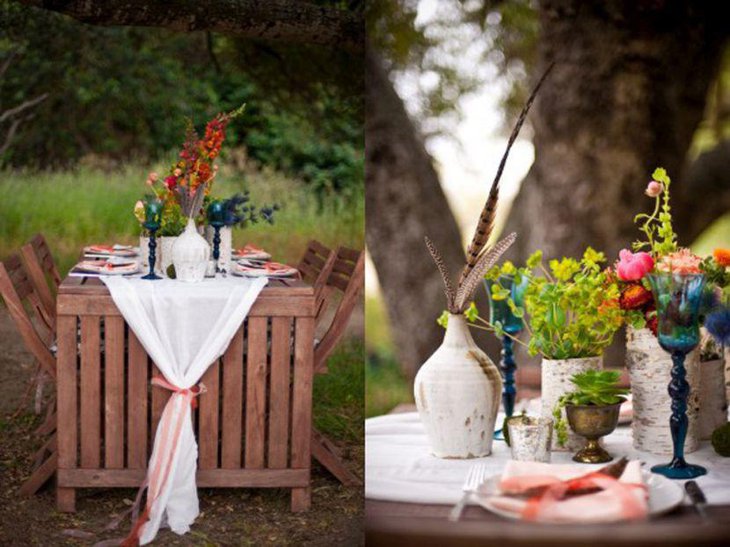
(25, 105)
(277, 20)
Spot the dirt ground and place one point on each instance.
(228, 516)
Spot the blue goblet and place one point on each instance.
(216, 218)
(152, 221)
(500, 311)
(678, 298)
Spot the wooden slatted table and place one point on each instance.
(253, 424)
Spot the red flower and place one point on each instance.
(634, 297)
(170, 182)
(652, 324)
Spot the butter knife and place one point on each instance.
(697, 497)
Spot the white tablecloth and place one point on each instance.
(399, 466)
(184, 328)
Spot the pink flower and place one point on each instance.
(633, 266)
(177, 172)
(653, 189)
(681, 262)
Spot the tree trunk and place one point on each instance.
(280, 20)
(404, 203)
(627, 93)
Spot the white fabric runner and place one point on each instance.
(184, 329)
(399, 466)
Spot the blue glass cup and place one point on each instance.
(678, 298)
(500, 311)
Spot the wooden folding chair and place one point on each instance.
(347, 276)
(43, 272)
(27, 312)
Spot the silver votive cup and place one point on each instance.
(530, 439)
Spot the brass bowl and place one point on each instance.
(592, 422)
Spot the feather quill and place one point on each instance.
(486, 219)
(473, 280)
(438, 259)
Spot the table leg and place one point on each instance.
(301, 499)
(66, 499)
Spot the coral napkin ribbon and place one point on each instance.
(631, 508)
(159, 467)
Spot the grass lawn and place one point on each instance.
(75, 208)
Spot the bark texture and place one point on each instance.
(404, 203)
(280, 20)
(627, 93)
(650, 373)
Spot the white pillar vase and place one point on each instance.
(226, 246)
(164, 252)
(190, 255)
(650, 373)
(555, 382)
(712, 399)
(457, 392)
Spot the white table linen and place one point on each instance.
(399, 466)
(184, 328)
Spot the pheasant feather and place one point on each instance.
(486, 260)
(486, 219)
(438, 259)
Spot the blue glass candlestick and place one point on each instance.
(216, 218)
(678, 298)
(499, 311)
(153, 217)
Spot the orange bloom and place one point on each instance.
(634, 296)
(722, 257)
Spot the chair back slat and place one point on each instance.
(315, 268)
(39, 279)
(27, 294)
(347, 260)
(43, 251)
(36, 335)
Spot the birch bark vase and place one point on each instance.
(457, 392)
(712, 399)
(555, 382)
(225, 248)
(164, 252)
(650, 372)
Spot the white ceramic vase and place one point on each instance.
(712, 400)
(650, 372)
(190, 255)
(457, 392)
(555, 382)
(225, 249)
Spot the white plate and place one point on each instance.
(664, 495)
(260, 272)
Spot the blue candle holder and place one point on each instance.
(678, 298)
(499, 311)
(216, 218)
(153, 219)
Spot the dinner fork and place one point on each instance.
(474, 479)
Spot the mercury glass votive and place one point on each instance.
(530, 438)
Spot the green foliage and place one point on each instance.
(572, 309)
(715, 273)
(118, 94)
(657, 227)
(721, 440)
(386, 385)
(595, 387)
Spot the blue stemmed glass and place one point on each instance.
(678, 298)
(216, 218)
(499, 311)
(152, 221)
